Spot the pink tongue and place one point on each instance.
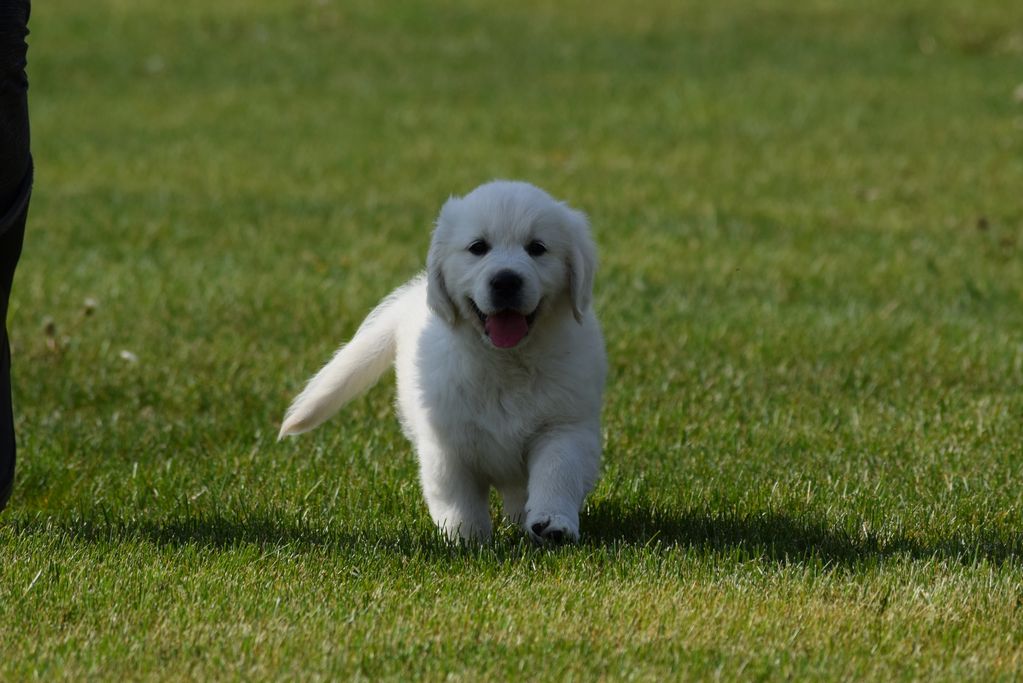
(506, 329)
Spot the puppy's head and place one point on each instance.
(507, 255)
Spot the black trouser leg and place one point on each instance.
(15, 189)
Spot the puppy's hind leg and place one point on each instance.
(456, 497)
(514, 498)
(563, 468)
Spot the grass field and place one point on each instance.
(811, 227)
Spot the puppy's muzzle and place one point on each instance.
(506, 290)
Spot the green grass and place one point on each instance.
(812, 291)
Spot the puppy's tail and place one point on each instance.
(354, 368)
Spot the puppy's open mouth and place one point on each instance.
(507, 328)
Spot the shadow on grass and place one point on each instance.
(785, 538)
(750, 535)
(207, 530)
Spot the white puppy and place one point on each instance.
(500, 364)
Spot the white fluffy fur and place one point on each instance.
(525, 420)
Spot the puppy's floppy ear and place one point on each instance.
(582, 263)
(437, 297)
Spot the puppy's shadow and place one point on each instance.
(756, 535)
(780, 537)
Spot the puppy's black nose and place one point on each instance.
(505, 287)
(506, 282)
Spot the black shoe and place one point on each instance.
(7, 451)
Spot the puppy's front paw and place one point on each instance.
(553, 528)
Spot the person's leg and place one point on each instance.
(15, 188)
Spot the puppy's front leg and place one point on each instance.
(563, 465)
(456, 497)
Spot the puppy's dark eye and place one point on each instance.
(536, 248)
(479, 248)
